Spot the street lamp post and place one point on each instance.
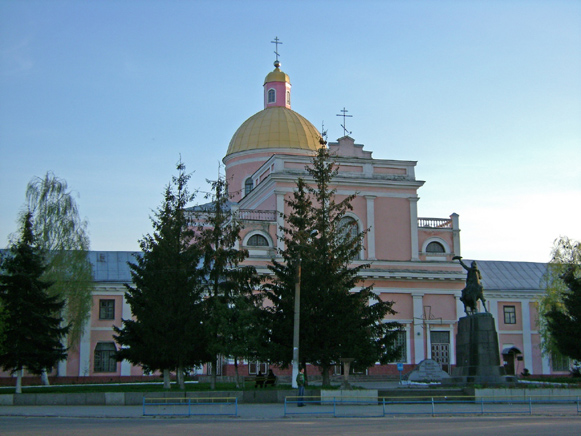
(297, 320)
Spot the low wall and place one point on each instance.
(536, 394)
(136, 398)
(342, 396)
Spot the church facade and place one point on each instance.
(410, 256)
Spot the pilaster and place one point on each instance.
(418, 332)
(414, 227)
(371, 226)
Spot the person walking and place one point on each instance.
(301, 384)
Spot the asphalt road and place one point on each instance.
(438, 426)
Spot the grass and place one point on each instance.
(130, 387)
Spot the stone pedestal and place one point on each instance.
(477, 353)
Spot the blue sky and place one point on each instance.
(485, 95)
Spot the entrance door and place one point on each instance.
(440, 341)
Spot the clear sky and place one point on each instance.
(485, 95)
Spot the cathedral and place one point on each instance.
(411, 256)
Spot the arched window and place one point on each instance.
(257, 241)
(288, 98)
(105, 357)
(348, 228)
(435, 247)
(271, 95)
(248, 185)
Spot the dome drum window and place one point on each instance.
(272, 96)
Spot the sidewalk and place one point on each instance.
(313, 411)
(245, 411)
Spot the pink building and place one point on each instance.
(411, 256)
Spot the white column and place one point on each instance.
(418, 309)
(527, 336)
(85, 350)
(546, 362)
(279, 219)
(414, 227)
(456, 234)
(371, 226)
(492, 306)
(459, 307)
(125, 314)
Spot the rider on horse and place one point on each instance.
(473, 290)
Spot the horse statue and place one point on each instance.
(473, 290)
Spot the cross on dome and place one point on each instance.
(276, 42)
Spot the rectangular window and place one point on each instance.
(560, 362)
(509, 314)
(255, 367)
(106, 309)
(105, 357)
(400, 341)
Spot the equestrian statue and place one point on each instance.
(473, 290)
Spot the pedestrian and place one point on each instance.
(301, 380)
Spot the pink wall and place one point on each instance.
(392, 229)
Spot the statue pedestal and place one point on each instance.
(477, 353)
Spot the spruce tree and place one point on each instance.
(230, 304)
(167, 332)
(340, 318)
(33, 330)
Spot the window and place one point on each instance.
(248, 185)
(106, 309)
(255, 367)
(509, 314)
(435, 247)
(349, 230)
(559, 362)
(288, 98)
(400, 341)
(105, 357)
(257, 241)
(271, 95)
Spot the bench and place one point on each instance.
(261, 381)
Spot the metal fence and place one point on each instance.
(190, 406)
(349, 407)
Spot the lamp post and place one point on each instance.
(297, 321)
(297, 318)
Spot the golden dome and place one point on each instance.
(277, 76)
(275, 127)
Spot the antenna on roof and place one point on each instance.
(344, 115)
(276, 42)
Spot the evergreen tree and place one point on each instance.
(230, 303)
(166, 299)
(564, 323)
(565, 259)
(34, 332)
(337, 321)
